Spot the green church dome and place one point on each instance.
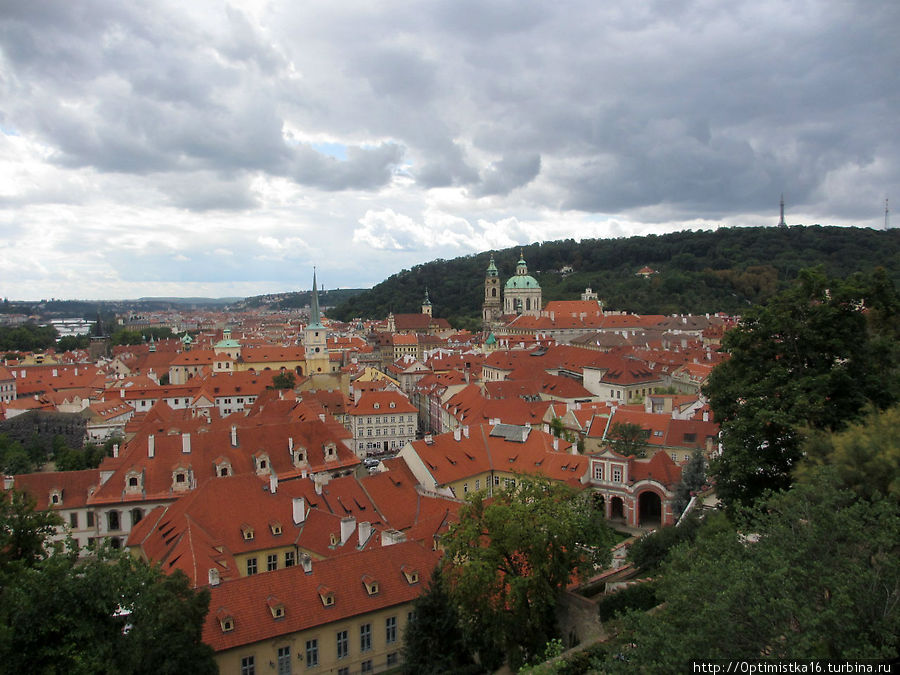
(521, 281)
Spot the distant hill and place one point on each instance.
(297, 300)
(697, 271)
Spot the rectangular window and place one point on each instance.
(343, 644)
(365, 666)
(344, 671)
(271, 562)
(248, 665)
(477, 484)
(617, 474)
(390, 630)
(509, 483)
(288, 558)
(392, 659)
(312, 653)
(251, 566)
(112, 520)
(465, 488)
(284, 661)
(90, 518)
(598, 472)
(73, 520)
(496, 480)
(365, 637)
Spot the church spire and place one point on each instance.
(315, 318)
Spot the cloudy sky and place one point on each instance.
(216, 149)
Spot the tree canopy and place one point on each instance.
(111, 613)
(508, 559)
(814, 575)
(813, 358)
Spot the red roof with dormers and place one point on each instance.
(74, 487)
(246, 600)
(659, 468)
(381, 402)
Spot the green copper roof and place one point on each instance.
(227, 344)
(492, 268)
(315, 318)
(522, 281)
(491, 340)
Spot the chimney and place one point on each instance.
(365, 531)
(348, 525)
(321, 417)
(457, 434)
(186, 443)
(306, 562)
(555, 444)
(213, 576)
(151, 446)
(76, 371)
(706, 415)
(466, 431)
(55, 373)
(318, 485)
(299, 508)
(273, 483)
(291, 448)
(116, 450)
(234, 442)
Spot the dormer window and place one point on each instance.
(334, 539)
(411, 575)
(55, 497)
(377, 406)
(300, 457)
(330, 452)
(226, 621)
(326, 595)
(247, 533)
(370, 584)
(276, 607)
(393, 405)
(276, 528)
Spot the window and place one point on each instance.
(136, 516)
(390, 630)
(509, 483)
(73, 520)
(465, 488)
(477, 484)
(617, 474)
(365, 637)
(598, 472)
(248, 665)
(343, 644)
(289, 559)
(90, 518)
(284, 661)
(392, 659)
(112, 520)
(365, 666)
(251, 566)
(496, 480)
(312, 653)
(271, 562)
(674, 456)
(344, 671)
(132, 481)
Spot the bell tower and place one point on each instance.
(491, 308)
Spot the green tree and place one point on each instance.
(284, 380)
(123, 336)
(23, 530)
(70, 343)
(693, 478)
(814, 575)
(508, 559)
(812, 358)
(112, 613)
(865, 456)
(628, 439)
(433, 643)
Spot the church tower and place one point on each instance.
(491, 308)
(426, 306)
(522, 293)
(315, 336)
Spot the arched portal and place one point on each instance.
(649, 509)
(616, 509)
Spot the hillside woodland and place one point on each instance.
(726, 270)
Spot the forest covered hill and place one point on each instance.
(697, 271)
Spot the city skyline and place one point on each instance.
(223, 150)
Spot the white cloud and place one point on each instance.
(139, 141)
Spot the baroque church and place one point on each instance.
(520, 295)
